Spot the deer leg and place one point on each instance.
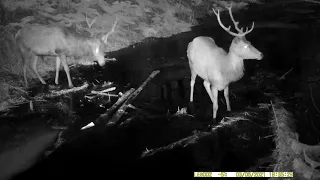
(34, 67)
(214, 92)
(207, 85)
(25, 74)
(212, 96)
(226, 96)
(66, 69)
(25, 57)
(192, 82)
(58, 62)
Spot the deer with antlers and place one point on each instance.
(35, 41)
(217, 67)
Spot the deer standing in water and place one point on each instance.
(48, 40)
(215, 66)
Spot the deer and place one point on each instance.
(217, 67)
(36, 41)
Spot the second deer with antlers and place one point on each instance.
(215, 66)
(35, 41)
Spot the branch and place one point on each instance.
(124, 107)
(181, 143)
(104, 117)
(54, 94)
(283, 76)
(314, 104)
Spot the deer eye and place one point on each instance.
(246, 46)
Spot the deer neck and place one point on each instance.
(235, 66)
(82, 47)
(234, 60)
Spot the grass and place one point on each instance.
(12, 91)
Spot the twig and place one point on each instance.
(181, 112)
(126, 122)
(104, 117)
(138, 109)
(125, 105)
(105, 94)
(275, 116)
(311, 120)
(282, 77)
(314, 104)
(104, 91)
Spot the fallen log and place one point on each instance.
(292, 155)
(181, 143)
(54, 93)
(193, 139)
(121, 111)
(103, 118)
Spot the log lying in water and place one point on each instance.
(103, 118)
(124, 101)
(126, 104)
(181, 143)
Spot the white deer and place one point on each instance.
(215, 66)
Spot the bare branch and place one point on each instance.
(105, 37)
(92, 21)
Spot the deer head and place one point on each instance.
(99, 44)
(240, 46)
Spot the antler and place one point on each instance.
(240, 31)
(90, 24)
(234, 22)
(105, 37)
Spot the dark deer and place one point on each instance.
(215, 66)
(48, 40)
